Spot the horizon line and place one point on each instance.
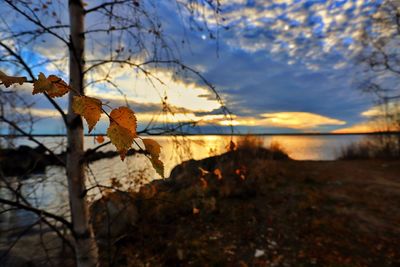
(218, 134)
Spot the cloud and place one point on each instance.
(40, 113)
(304, 29)
(292, 120)
(136, 87)
(376, 118)
(363, 127)
(391, 109)
(299, 120)
(278, 66)
(142, 117)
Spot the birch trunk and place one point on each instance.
(85, 244)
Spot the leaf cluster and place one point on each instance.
(123, 123)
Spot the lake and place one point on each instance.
(48, 190)
(177, 149)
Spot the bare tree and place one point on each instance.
(380, 58)
(380, 54)
(127, 33)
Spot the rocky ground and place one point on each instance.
(254, 208)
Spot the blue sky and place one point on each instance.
(279, 65)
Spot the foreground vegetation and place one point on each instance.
(244, 208)
(250, 206)
(375, 147)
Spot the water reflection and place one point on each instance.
(298, 147)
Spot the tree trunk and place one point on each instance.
(85, 244)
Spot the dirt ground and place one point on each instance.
(246, 209)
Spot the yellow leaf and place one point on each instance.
(9, 80)
(52, 85)
(158, 165)
(152, 147)
(122, 129)
(125, 118)
(89, 108)
(100, 139)
(121, 138)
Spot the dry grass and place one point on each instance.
(255, 144)
(299, 213)
(275, 146)
(249, 142)
(375, 147)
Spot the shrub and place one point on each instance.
(373, 147)
(249, 142)
(255, 145)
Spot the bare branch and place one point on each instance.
(30, 137)
(105, 5)
(20, 235)
(33, 32)
(37, 22)
(38, 212)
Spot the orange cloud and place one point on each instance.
(364, 127)
(293, 120)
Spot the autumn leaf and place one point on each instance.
(89, 108)
(218, 173)
(122, 129)
(152, 147)
(125, 118)
(100, 139)
(196, 210)
(158, 165)
(121, 138)
(52, 85)
(9, 80)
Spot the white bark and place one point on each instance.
(85, 244)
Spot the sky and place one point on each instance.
(280, 66)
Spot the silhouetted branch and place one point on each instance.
(20, 235)
(106, 4)
(36, 21)
(30, 137)
(38, 212)
(36, 32)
